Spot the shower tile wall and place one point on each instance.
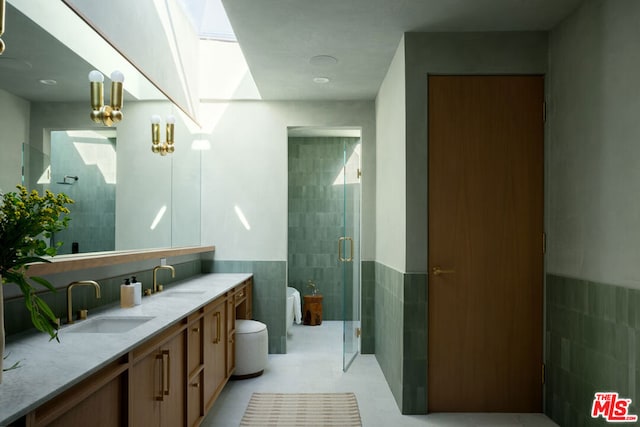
(592, 340)
(316, 204)
(92, 215)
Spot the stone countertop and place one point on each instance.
(48, 368)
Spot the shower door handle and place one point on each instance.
(340, 243)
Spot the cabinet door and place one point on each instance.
(195, 404)
(214, 350)
(81, 406)
(231, 335)
(194, 349)
(145, 391)
(173, 380)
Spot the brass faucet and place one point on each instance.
(69, 299)
(161, 267)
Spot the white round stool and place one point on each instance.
(252, 346)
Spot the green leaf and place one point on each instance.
(44, 283)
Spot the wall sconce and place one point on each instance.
(106, 114)
(156, 146)
(1, 25)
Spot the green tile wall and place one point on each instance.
(592, 335)
(93, 217)
(414, 375)
(17, 317)
(367, 318)
(315, 219)
(389, 323)
(269, 296)
(401, 335)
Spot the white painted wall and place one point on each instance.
(451, 53)
(146, 181)
(593, 144)
(149, 182)
(391, 197)
(247, 168)
(14, 122)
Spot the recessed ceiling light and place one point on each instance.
(323, 60)
(48, 82)
(321, 79)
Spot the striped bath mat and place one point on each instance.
(302, 409)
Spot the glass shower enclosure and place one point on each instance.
(349, 253)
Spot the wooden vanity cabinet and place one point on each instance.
(243, 299)
(172, 379)
(195, 369)
(215, 349)
(157, 381)
(97, 401)
(231, 335)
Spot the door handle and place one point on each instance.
(340, 257)
(437, 271)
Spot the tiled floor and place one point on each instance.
(313, 363)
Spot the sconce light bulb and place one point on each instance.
(117, 76)
(171, 119)
(96, 76)
(155, 119)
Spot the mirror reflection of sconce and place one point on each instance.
(166, 147)
(1, 25)
(106, 114)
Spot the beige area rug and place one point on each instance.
(302, 409)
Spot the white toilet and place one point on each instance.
(252, 347)
(294, 311)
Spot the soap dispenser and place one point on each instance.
(137, 291)
(126, 294)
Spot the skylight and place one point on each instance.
(209, 19)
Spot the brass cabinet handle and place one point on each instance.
(218, 316)
(160, 397)
(195, 330)
(437, 271)
(168, 368)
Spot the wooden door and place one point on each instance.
(485, 243)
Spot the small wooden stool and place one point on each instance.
(312, 315)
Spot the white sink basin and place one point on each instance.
(108, 325)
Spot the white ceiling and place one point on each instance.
(31, 55)
(278, 37)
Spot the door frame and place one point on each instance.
(333, 131)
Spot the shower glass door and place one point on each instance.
(349, 252)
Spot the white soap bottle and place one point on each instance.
(137, 291)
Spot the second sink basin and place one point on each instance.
(182, 293)
(108, 325)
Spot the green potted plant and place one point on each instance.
(27, 222)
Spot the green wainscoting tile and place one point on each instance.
(602, 301)
(591, 334)
(622, 305)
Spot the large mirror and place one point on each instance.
(126, 197)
